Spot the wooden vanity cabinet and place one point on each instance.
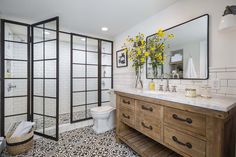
(159, 128)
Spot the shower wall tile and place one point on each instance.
(19, 70)
(15, 105)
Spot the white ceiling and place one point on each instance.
(86, 16)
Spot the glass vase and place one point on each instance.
(139, 82)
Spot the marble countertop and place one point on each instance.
(219, 103)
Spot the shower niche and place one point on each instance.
(51, 77)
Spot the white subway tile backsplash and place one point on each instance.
(212, 75)
(223, 83)
(232, 83)
(231, 69)
(222, 90)
(225, 75)
(214, 91)
(175, 82)
(200, 83)
(187, 82)
(231, 91)
(217, 69)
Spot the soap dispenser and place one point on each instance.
(152, 85)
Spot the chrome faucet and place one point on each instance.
(161, 85)
(167, 81)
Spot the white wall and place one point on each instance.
(64, 74)
(222, 44)
(183, 10)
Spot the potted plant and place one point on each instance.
(136, 49)
(156, 47)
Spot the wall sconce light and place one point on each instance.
(228, 20)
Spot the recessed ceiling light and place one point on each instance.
(46, 33)
(83, 39)
(104, 29)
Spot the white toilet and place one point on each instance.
(104, 116)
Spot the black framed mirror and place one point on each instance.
(187, 57)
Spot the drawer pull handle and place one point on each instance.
(147, 108)
(188, 120)
(126, 116)
(147, 127)
(188, 145)
(126, 102)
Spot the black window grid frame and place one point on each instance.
(3, 78)
(99, 65)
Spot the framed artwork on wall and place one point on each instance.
(121, 58)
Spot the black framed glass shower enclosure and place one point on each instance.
(45, 78)
(15, 73)
(29, 75)
(91, 75)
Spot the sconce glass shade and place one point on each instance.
(228, 22)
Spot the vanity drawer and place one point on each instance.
(126, 102)
(148, 109)
(149, 126)
(127, 116)
(187, 144)
(189, 121)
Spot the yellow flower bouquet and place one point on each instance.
(136, 48)
(156, 47)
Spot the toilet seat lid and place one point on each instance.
(102, 109)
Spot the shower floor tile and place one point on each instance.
(63, 119)
(83, 142)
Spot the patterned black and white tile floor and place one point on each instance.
(83, 142)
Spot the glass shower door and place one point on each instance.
(45, 77)
(84, 76)
(14, 74)
(106, 71)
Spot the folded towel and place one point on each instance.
(191, 71)
(176, 58)
(2, 144)
(23, 128)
